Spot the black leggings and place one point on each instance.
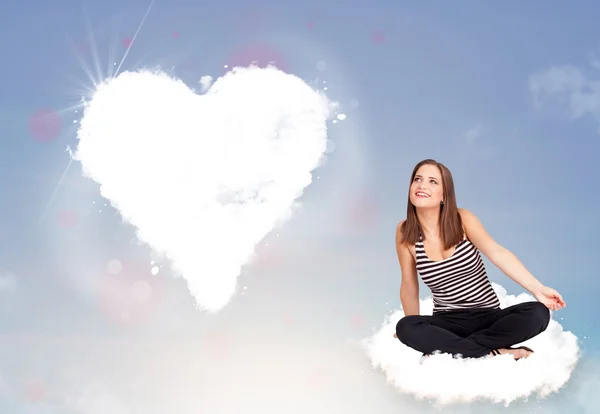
(473, 333)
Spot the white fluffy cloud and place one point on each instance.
(205, 82)
(577, 91)
(447, 380)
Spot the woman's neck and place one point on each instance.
(429, 219)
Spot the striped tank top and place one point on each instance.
(458, 282)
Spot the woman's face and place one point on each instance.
(426, 190)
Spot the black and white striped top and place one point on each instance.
(458, 282)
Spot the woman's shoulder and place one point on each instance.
(399, 228)
(400, 233)
(469, 221)
(467, 217)
(463, 211)
(402, 244)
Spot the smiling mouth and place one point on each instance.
(422, 195)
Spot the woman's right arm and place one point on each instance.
(409, 286)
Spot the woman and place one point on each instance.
(442, 242)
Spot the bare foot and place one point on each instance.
(516, 353)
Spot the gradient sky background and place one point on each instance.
(506, 95)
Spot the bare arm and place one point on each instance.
(504, 259)
(409, 286)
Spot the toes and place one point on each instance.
(525, 353)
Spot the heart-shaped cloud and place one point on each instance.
(204, 178)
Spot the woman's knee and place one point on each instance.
(406, 327)
(540, 314)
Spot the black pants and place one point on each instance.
(473, 333)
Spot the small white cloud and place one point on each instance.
(570, 87)
(474, 133)
(8, 282)
(205, 82)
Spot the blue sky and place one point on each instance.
(450, 81)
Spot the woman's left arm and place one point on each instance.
(507, 262)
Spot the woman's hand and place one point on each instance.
(550, 297)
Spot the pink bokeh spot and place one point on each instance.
(363, 213)
(45, 125)
(175, 35)
(378, 37)
(35, 391)
(127, 42)
(289, 320)
(218, 344)
(67, 218)
(83, 47)
(319, 378)
(269, 257)
(129, 294)
(259, 55)
(311, 25)
(357, 321)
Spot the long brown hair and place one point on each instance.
(451, 230)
